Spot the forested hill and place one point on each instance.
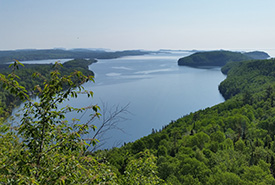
(252, 77)
(23, 55)
(219, 58)
(230, 143)
(258, 55)
(8, 101)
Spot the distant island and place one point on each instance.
(43, 54)
(219, 58)
(258, 55)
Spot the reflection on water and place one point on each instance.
(156, 89)
(50, 61)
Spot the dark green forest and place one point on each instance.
(219, 58)
(230, 143)
(258, 55)
(8, 100)
(33, 54)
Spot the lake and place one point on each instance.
(155, 89)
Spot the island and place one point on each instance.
(219, 58)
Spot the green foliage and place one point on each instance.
(212, 58)
(230, 143)
(142, 170)
(240, 145)
(45, 148)
(258, 174)
(42, 72)
(249, 77)
(50, 150)
(226, 178)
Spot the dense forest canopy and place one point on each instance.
(46, 148)
(252, 77)
(230, 143)
(219, 58)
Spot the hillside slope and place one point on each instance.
(8, 101)
(230, 143)
(44, 54)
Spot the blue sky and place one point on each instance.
(139, 24)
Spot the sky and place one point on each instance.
(137, 24)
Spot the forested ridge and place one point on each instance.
(8, 100)
(230, 143)
(45, 147)
(43, 54)
(219, 58)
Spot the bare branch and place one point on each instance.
(111, 118)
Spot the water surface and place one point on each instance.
(156, 89)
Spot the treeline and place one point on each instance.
(219, 58)
(8, 100)
(46, 148)
(230, 143)
(24, 55)
(247, 77)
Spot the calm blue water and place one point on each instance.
(155, 89)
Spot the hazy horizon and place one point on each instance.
(129, 25)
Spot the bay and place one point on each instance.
(155, 89)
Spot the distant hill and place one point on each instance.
(219, 58)
(23, 55)
(259, 55)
